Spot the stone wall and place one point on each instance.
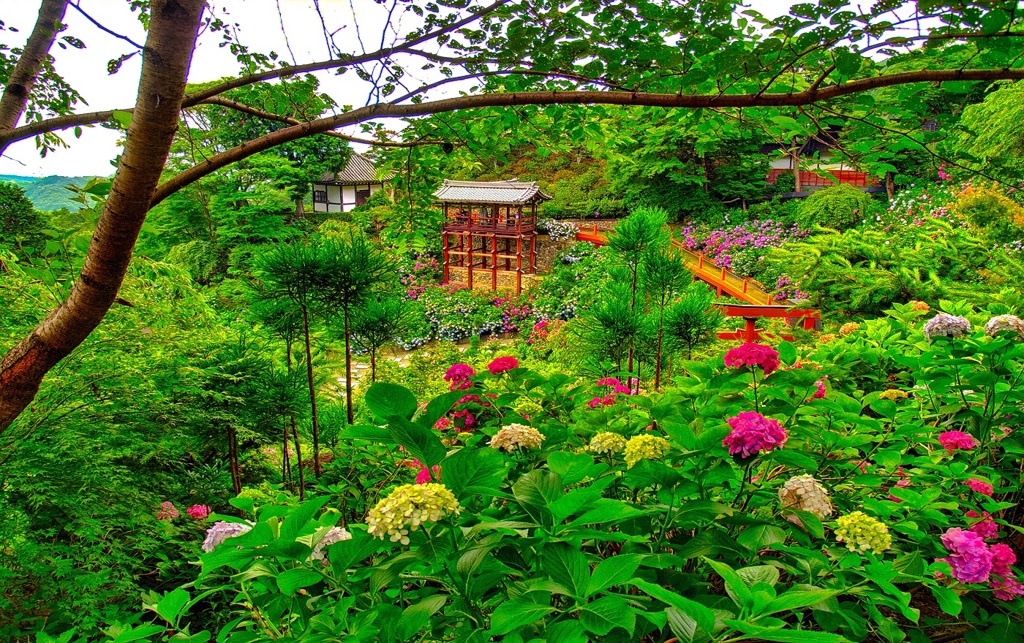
(482, 279)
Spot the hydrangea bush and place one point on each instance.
(735, 505)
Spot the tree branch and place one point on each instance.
(705, 101)
(26, 72)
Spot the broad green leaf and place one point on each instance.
(787, 353)
(300, 517)
(607, 613)
(416, 616)
(535, 491)
(468, 472)
(798, 598)
(947, 599)
(701, 614)
(516, 613)
(734, 585)
(781, 635)
(438, 406)
(385, 400)
(759, 574)
(123, 118)
(294, 579)
(567, 566)
(572, 467)
(170, 606)
(612, 571)
(421, 442)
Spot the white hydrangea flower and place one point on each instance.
(1002, 323)
(221, 531)
(335, 535)
(517, 435)
(944, 325)
(804, 493)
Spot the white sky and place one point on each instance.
(260, 28)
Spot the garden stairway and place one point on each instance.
(757, 302)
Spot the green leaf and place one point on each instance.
(123, 118)
(468, 472)
(294, 579)
(612, 571)
(701, 614)
(385, 400)
(535, 491)
(810, 522)
(759, 632)
(607, 613)
(516, 613)
(568, 567)
(757, 537)
(421, 442)
(759, 574)
(947, 599)
(734, 585)
(572, 467)
(300, 517)
(170, 606)
(416, 616)
(787, 353)
(138, 633)
(798, 598)
(438, 406)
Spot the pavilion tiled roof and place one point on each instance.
(510, 192)
(358, 170)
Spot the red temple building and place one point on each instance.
(490, 232)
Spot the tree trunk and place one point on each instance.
(312, 394)
(172, 36)
(298, 460)
(796, 171)
(373, 367)
(286, 469)
(890, 185)
(236, 472)
(657, 357)
(348, 370)
(26, 72)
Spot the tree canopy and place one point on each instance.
(485, 66)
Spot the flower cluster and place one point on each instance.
(861, 532)
(408, 507)
(953, 440)
(167, 511)
(980, 486)
(848, 328)
(944, 325)
(607, 442)
(1004, 580)
(750, 354)
(423, 474)
(198, 512)
(819, 390)
(458, 376)
(334, 535)
(502, 364)
(969, 557)
(528, 409)
(893, 394)
(753, 433)
(1005, 323)
(740, 247)
(558, 230)
(644, 446)
(804, 493)
(985, 527)
(517, 436)
(221, 531)
(919, 306)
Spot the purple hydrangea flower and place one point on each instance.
(221, 531)
(970, 557)
(943, 325)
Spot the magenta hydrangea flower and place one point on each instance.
(750, 354)
(970, 557)
(980, 486)
(985, 526)
(458, 376)
(609, 381)
(167, 511)
(423, 477)
(502, 364)
(1002, 558)
(1004, 580)
(198, 512)
(953, 440)
(819, 392)
(753, 433)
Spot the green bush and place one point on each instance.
(198, 257)
(840, 207)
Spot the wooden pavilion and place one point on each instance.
(490, 229)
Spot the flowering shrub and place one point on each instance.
(861, 532)
(753, 433)
(750, 354)
(1004, 324)
(407, 508)
(502, 364)
(458, 376)
(607, 443)
(557, 229)
(953, 440)
(644, 447)
(943, 325)
(517, 436)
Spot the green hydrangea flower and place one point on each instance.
(408, 507)
(644, 446)
(861, 532)
(607, 442)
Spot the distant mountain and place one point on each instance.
(49, 192)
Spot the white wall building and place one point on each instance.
(348, 189)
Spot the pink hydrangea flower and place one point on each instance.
(609, 381)
(985, 527)
(970, 557)
(423, 477)
(468, 420)
(443, 424)
(819, 393)
(753, 433)
(502, 364)
(458, 376)
(198, 512)
(167, 511)
(750, 354)
(980, 486)
(1006, 587)
(1002, 558)
(953, 440)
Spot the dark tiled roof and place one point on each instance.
(512, 191)
(358, 170)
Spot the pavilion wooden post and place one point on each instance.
(494, 263)
(519, 265)
(469, 261)
(444, 255)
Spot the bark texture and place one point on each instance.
(26, 72)
(168, 53)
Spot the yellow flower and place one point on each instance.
(644, 446)
(919, 305)
(893, 394)
(861, 532)
(408, 507)
(848, 328)
(826, 338)
(607, 442)
(517, 435)
(529, 409)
